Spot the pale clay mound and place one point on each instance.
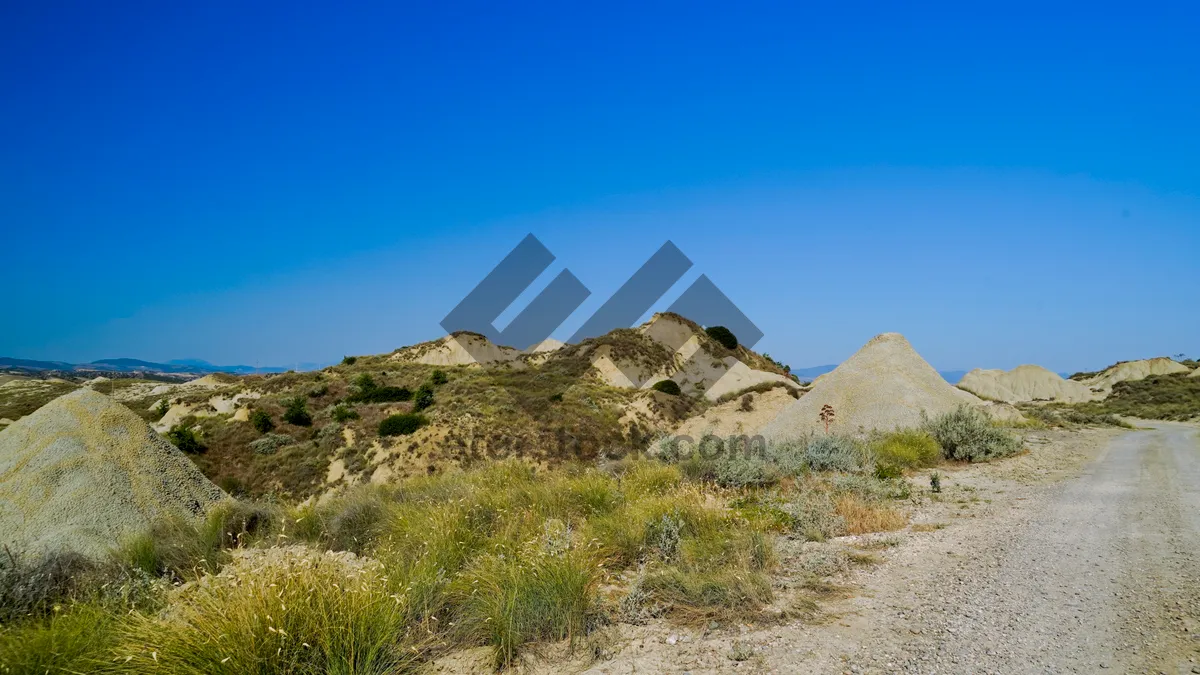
(1195, 373)
(1133, 370)
(463, 349)
(728, 419)
(84, 472)
(884, 386)
(1023, 384)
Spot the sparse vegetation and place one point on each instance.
(1158, 397)
(967, 434)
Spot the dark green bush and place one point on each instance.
(261, 421)
(297, 413)
(722, 335)
(424, 397)
(185, 439)
(438, 377)
(401, 425)
(668, 387)
(349, 360)
(370, 392)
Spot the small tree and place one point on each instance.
(297, 412)
(423, 398)
(826, 415)
(185, 439)
(349, 360)
(438, 377)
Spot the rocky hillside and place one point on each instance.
(450, 402)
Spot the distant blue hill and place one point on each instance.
(127, 365)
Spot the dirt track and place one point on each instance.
(1082, 556)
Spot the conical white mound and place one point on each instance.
(1024, 383)
(84, 472)
(885, 386)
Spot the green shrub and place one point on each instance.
(401, 425)
(906, 449)
(185, 439)
(343, 413)
(723, 336)
(318, 392)
(297, 412)
(830, 452)
(438, 377)
(423, 398)
(261, 421)
(349, 360)
(668, 387)
(967, 434)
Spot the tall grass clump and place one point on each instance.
(906, 449)
(289, 611)
(74, 639)
(967, 434)
(181, 549)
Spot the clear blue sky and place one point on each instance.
(281, 182)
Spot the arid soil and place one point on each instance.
(1081, 556)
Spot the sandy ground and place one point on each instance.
(1081, 556)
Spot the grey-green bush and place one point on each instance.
(967, 434)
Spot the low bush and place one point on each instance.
(185, 439)
(343, 413)
(297, 412)
(349, 360)
(402, 424)
(268, 444)
(968, 434)
(723, 336)
(438, 377)
(667, 387)
(261, 421)
(370, 392)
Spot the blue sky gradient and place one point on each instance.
(291, 182)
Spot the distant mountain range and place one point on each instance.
(126, 365)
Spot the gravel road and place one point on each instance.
(1080, 556)
(1097, 573)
